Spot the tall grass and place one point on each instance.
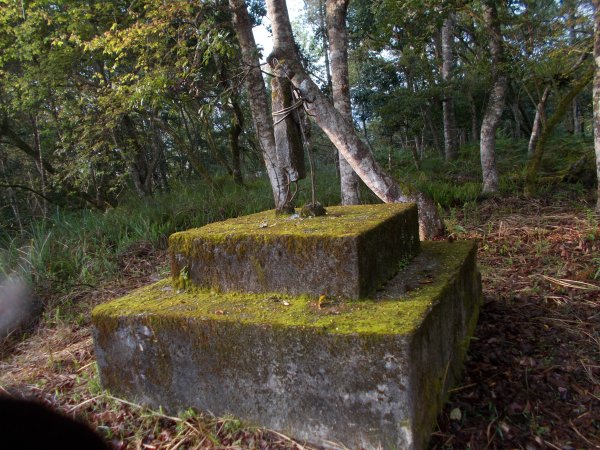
(83, 247)
(73, 248)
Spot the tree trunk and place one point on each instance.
(138, 166)
(237, 123)
(577, 118)
(450, 147)
(325, 38)
(259, 104)
(338, 46)
(562, 107)
(288, 138)
(518, 123)
(495, 106)
(426, 114)
(338, 130)
(596, 96)
(538, 122)
(474, 119)
(366, 133)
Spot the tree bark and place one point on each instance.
(495, 106)
(596, 96)
(538, 122)
(338, 130)
(259, 104)
(235, 129)
(288, 138)
(474, 119)
(450, 147)
(338, 47)
(577, 118)
(562, 107)
(325, 37)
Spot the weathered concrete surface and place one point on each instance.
(349, 252)
(370, 373)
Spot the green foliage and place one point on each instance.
(456, 183)
(73, 248)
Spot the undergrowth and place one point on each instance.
(71, 249)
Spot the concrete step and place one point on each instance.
(348, 253)
(370, 374)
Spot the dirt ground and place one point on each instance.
(531, 380)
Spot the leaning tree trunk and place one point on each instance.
(538, 122)
(495, 106)
(534, 163)
(259, 104)
(450, 147)
(596, 95)
(336, 127)
(338, 47)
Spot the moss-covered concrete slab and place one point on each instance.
(368, 374)
(347, 253)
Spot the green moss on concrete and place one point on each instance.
(340, 221)
(357, 245)
(164, 301)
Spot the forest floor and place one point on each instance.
(531, 380)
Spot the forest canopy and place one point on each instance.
(104, 100)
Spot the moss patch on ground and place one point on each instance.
(400, 315)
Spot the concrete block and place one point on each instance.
(348, 253)
(366, 374)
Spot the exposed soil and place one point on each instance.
(531, 381)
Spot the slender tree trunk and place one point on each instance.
(474, 119)
(366, 134)
(416, 150)
(325, 38)
(338, 46)
(40, 163)
(138, 167)
(538, 122)
(577, 118)
(495, 106)
(517, 121)
(562, 107)
(11, 196)
(336, 127)
(259, 104)
(426, 114)
(596, 96)
(450, 147)
(237, 123)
